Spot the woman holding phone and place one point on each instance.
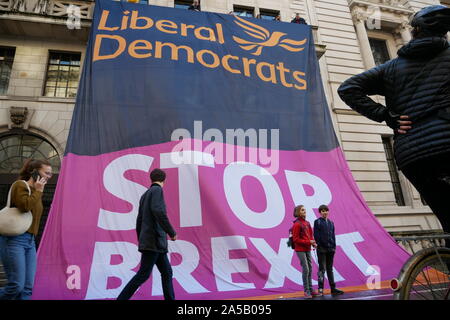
(18, 253)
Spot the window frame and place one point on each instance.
(268, 12)
(185, 3)
(5, 61)
(383, 41)
(33, 149)
(388, 37)
(247, 9)
(398, 187)
(67, 87)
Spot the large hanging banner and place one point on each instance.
(233, 109)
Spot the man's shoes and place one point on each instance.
(320, 293)
(336, 292)
(315, 294)
(308, 295)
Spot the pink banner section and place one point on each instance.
(232, 220)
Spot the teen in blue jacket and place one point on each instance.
(326, 247)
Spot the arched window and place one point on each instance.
(16, 148)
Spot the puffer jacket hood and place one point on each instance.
(423, 48)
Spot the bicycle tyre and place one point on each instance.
(413, 271)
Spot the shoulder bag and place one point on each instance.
(14, 222)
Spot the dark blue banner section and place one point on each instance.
(151, 70)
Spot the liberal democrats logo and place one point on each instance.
(266, 39)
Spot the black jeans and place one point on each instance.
(148, 260)
(431, 177)
(325, 257)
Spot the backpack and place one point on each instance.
(290, 242)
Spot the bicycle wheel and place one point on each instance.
(429, 279)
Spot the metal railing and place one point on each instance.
(416, 243)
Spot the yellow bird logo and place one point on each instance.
(267, 39)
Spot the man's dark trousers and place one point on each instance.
(325, 257)
(431, 177)
(148, 260)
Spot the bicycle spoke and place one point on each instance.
(439, 285)
(436, 284)
(417, 292)
(447, 295)
(426, 276)
(440, 291)
(443, 283)
(429, 284)
(440, 259)
(421, 287)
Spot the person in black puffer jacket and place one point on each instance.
(417, 90)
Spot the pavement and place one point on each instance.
(381, 294)
(382, 291)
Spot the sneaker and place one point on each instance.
(315, 294)
(308, 296)
(320, 293)
(336, 292)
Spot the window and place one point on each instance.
(389, 151)
(243, 11)
(268, 14)
(15, 149)
(62, 74)
(182, 4)
(379, 50)
(6, 62)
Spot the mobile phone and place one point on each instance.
(35, 175)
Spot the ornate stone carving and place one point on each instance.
(18, 116)
(359, 15)
(404, 30)
(30, 6)
(399, 4)
(390, 15)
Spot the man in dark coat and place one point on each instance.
(195, 6)
(152, 227)
(298, 19)
(417, 90)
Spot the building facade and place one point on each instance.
(41, 57)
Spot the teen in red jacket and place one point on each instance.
(302, 235)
